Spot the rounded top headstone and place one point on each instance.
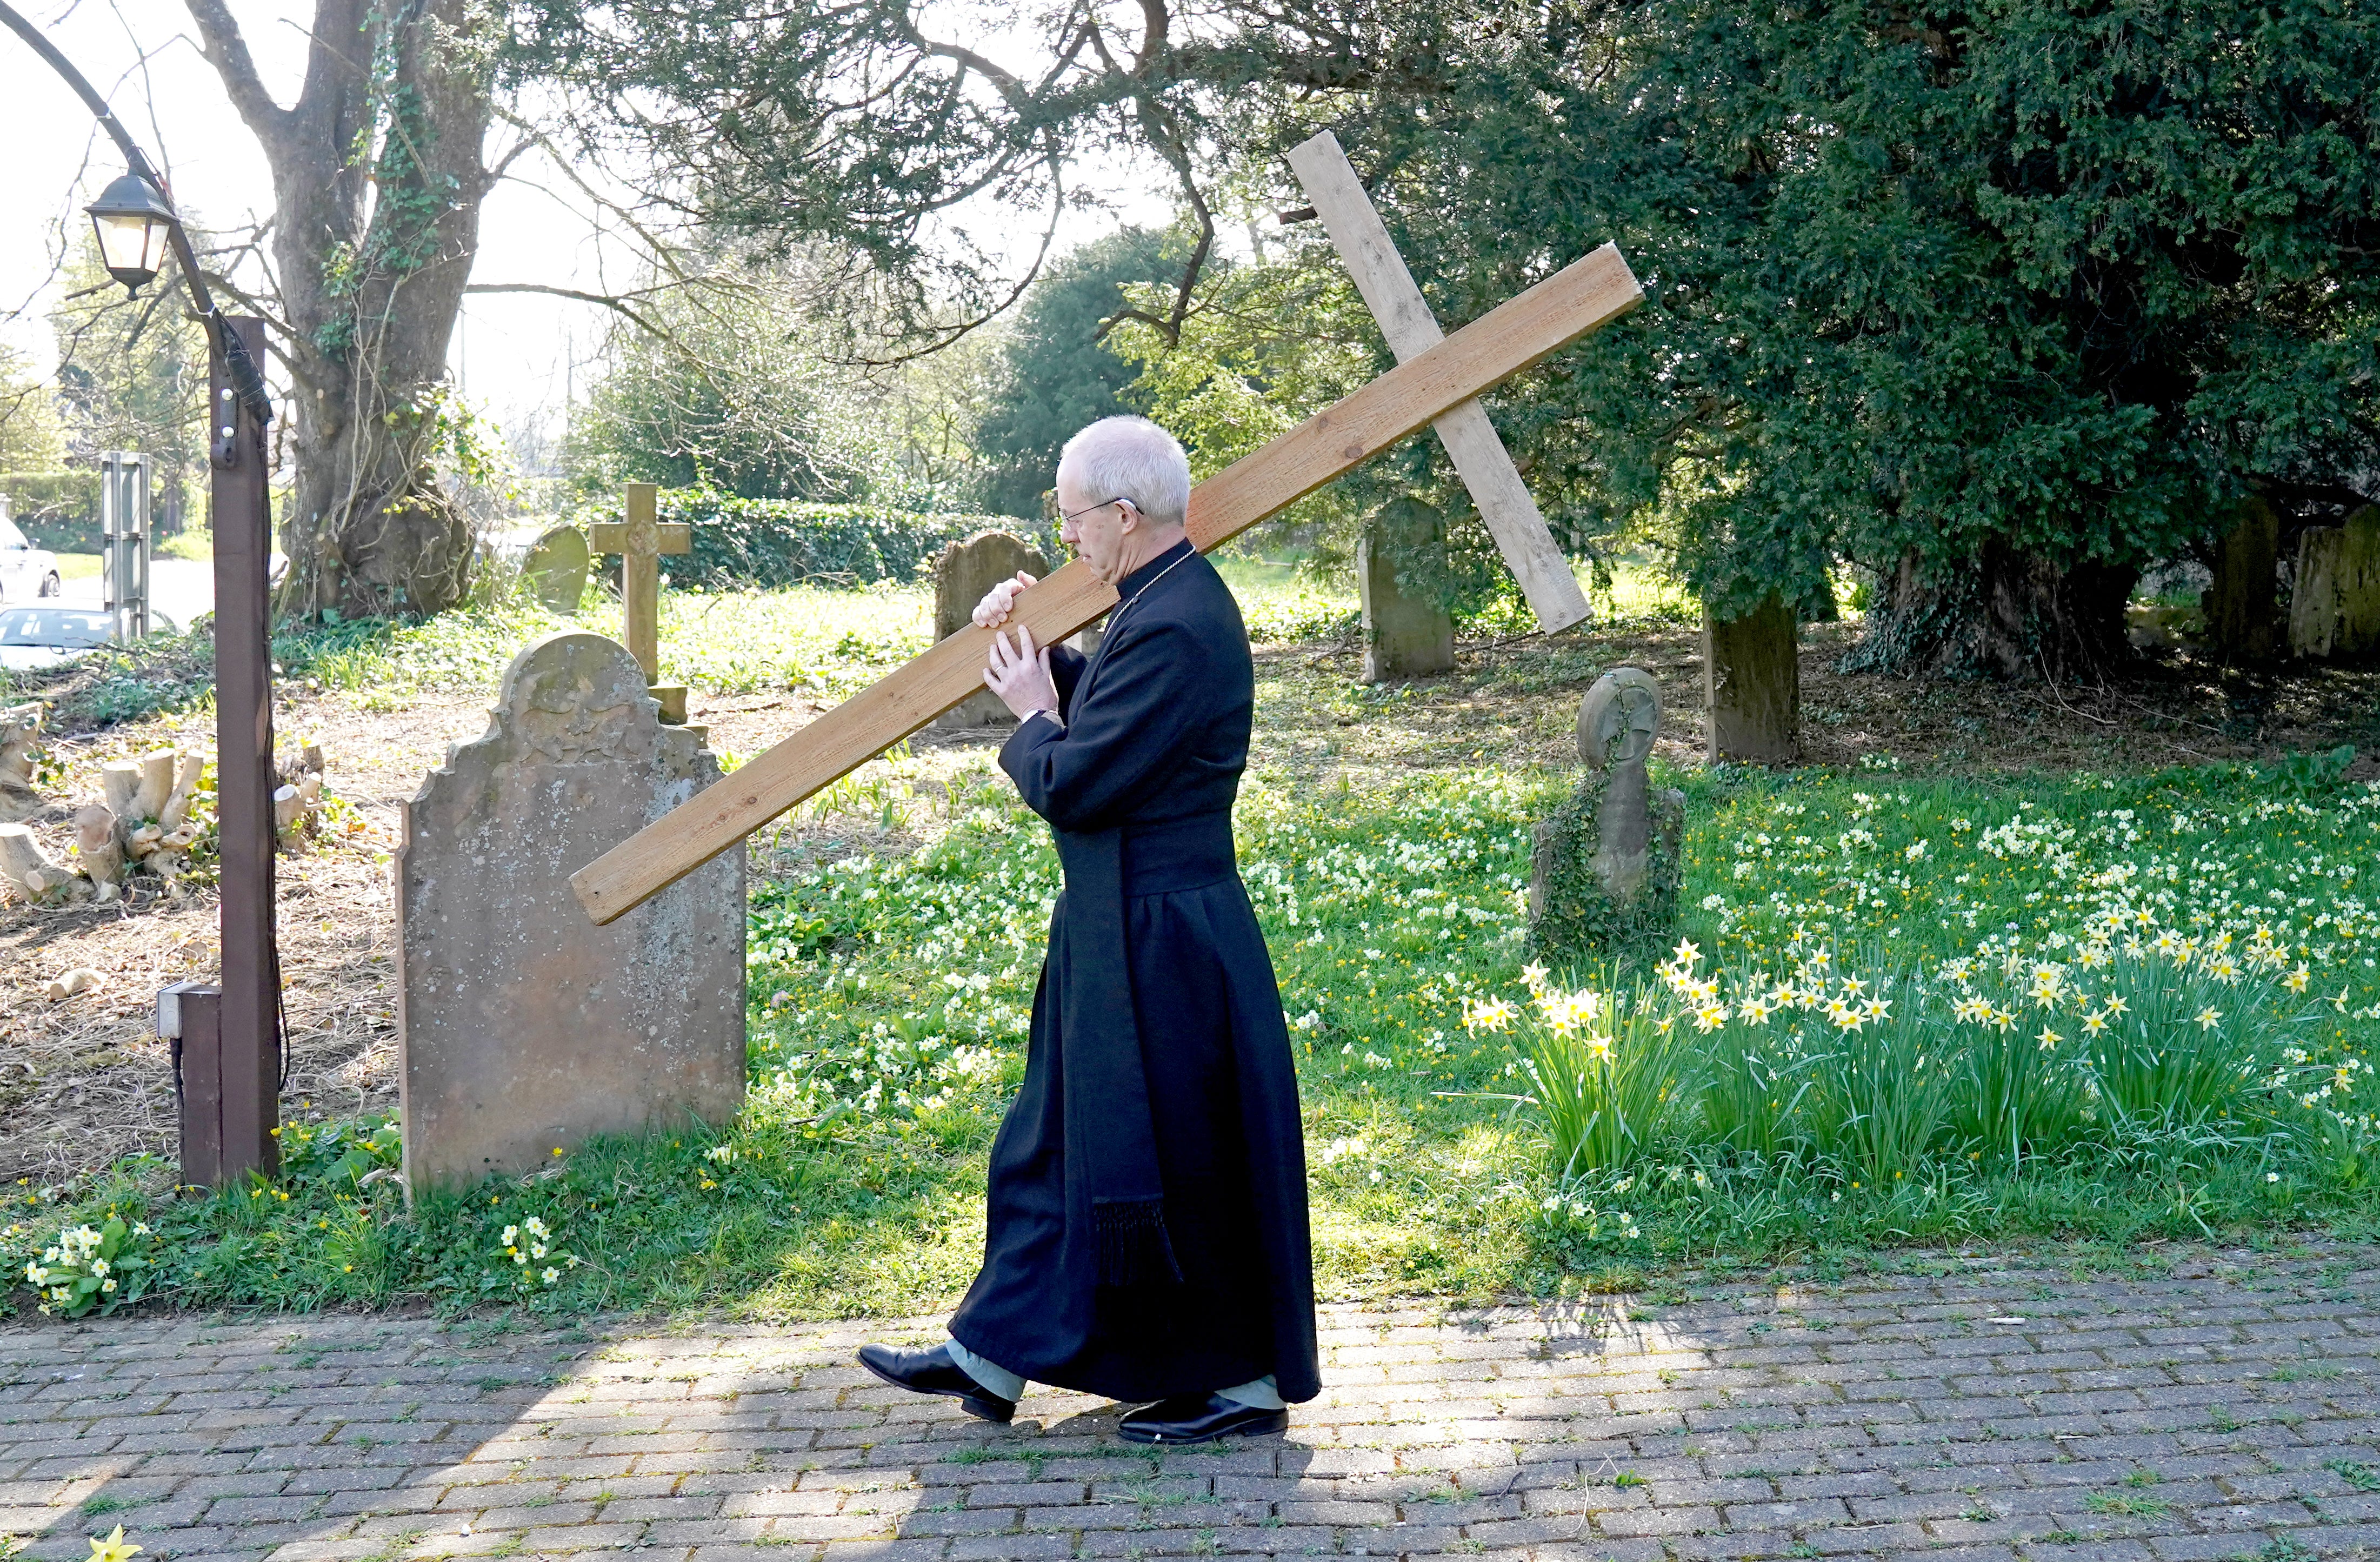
(556, 567)
(1619, 719)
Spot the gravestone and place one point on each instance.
(1752, 685)
(523, 1029)
(2335, 607)
(555, 568)
(2241, 607)
(961, 574)
(1603, 876)
(1404, 633)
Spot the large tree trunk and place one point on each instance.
(378, 180)
(2005, 613)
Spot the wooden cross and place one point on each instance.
(640, 541)
(1419, 390)
(1480, 458)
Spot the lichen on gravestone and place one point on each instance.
(523, 1027)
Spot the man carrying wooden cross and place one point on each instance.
(1145, 1233)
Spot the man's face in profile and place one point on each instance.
(1094, 528)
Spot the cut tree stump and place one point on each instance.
(95, 844)
(26, 866)
(1752, 685)
(2243, 607)
(20, 731)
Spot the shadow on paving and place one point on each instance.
(1975, 1408)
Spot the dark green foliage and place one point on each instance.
(2013, 289)
(1581, 922)
(1057, 374)
(766, 543)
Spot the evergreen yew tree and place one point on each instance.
(2003, 298)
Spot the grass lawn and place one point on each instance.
(1384, 836)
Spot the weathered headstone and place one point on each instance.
(961, 574)
(523, 1029)
(1604, 874)
(2241, 607)
(555, 568)
(1404, 633)
(1752, 685)
(2335, 606)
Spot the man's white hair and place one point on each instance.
(1132, 459)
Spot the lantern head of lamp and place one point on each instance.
(134, 225)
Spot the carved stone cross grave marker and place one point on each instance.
(640, 540)
(1581, 296)
(1404, 316)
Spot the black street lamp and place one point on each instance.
(227, 1039)
(135, 224)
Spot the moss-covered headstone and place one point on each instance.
(1604, 876)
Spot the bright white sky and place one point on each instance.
(514, 354)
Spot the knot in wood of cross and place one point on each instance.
(640, 540)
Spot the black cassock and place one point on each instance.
(1146, 1231)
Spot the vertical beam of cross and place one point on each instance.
(1485, 466)
(640, 540)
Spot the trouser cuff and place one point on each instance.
(995, 1378)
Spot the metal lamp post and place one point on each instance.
(228, 1041)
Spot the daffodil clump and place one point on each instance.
(93, 1268)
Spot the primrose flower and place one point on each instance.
(550, 1274)
(511, 1236)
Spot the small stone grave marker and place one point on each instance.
(1604, 874)
(961, 574)
(1404, 633)
(555, 568)
(2335, 606)
(525, 1029)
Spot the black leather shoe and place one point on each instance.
(933, 1371)
(1198, 1418)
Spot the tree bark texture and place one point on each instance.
(377, 182)
(2005, 613)
(2243, 607)
(1752, 685)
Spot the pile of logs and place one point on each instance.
(143, 826)
(298, 801)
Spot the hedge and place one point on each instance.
(58, 510)
(783, 541)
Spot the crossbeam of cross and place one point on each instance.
(1524, 331)
(1404, 318)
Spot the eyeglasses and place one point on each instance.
(1119, 499)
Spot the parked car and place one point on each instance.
(43, 637)
(25, 571)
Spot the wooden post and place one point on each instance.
(1752, 685)
(1485, 466)
(189, 1015)
(250, 1002)
(640, 540)
(1575, 301)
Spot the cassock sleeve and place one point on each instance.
(1066, 666)
(1147, 705)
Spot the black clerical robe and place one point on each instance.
(1146, 1231)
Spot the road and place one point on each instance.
(178, 588)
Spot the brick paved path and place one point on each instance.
(2227, 1408)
